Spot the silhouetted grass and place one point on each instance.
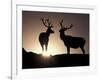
(33, 60)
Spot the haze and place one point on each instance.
(32, 26)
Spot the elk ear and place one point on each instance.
(51, 26)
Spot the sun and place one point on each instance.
(46, 54)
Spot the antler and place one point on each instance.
(46, 22)
(49, 23)
(65, 28)
(61, 24)
(69, 27)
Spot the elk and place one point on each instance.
(70, 41)
(44, 36)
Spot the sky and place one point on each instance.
(32, 26)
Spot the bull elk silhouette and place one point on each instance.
(69, 41)
(44, 36)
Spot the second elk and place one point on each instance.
(70, 41)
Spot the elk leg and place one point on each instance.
(46, 46)
(68, 49)
(42, 48)
(83, 50)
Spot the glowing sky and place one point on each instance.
(32, 27)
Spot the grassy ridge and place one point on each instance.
(33, 60)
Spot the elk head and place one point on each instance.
(47, 24)
(64, 28)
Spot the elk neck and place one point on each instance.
(62, 35)
(47, 33)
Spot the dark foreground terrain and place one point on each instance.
(32, 60)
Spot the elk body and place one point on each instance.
(70, 41)
(44, 36)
